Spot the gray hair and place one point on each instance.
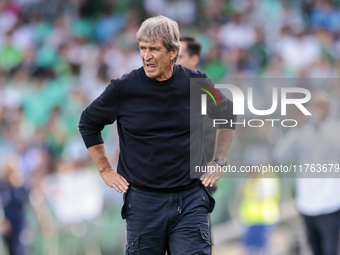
(161, 27)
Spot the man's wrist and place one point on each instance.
(222, 161)
(107, 169)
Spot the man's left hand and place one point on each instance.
(210, 177)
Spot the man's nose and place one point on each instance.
(147, 55)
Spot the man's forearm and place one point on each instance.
(100, 157)
(224, 138)
(109, 175)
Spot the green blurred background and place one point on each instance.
(56, 56)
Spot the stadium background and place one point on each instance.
(56, 56)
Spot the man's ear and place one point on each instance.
(173, 54)
(195, 59)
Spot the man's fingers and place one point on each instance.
(124, 180)
(116, 187)
(209, 180)
(213, 182)
(204, 179)
(120, 186)
(203, 176)
(206, 182)
(118, 182)
(123, 185)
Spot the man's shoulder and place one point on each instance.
(119, 85)
(128, 77)
(191, 73)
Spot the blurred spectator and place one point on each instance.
(259, 211)
(316, 142)
(108, 25)
(258, 52)
(59, 34)
(237, 33)
(68, 205)
(183, 12)
(8, 16)
(10, 56)
(13, 197)
(291, 47)
(23, 37)
(38, 100)
(326, 15)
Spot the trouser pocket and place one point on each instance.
(205, 248)
(132, 246)
(123, 212)
(211, 201)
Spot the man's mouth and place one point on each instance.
(150, 66)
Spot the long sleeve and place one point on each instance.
(102, 111)
(223, 112)
(221, 108)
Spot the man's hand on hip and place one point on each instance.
(224, 138)
(210, 177)
(114, 180)
(109, 175)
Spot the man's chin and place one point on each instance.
(150, 74)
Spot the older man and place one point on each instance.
(164, 208)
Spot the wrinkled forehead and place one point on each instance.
(155, 42)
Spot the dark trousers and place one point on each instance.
(323, 233)
(176, 222)
(14, 245)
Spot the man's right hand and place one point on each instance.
(115, 180)
(109, 175)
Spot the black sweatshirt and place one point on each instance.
(153, 120)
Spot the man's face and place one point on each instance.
(185, 59)
(157, 61)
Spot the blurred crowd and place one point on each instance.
(56, 56)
